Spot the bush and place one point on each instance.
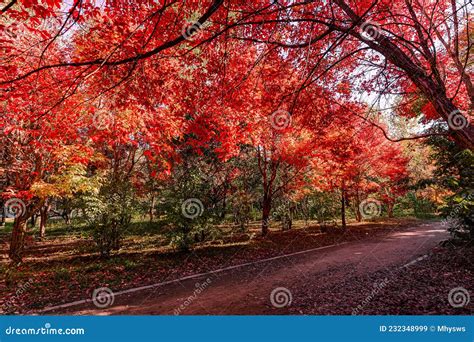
(459, 215)
(454, 171)
(189, 222)
(420, 206)
(109, 214)
(242, 210)
(324, 207)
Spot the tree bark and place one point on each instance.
(266, 208)
(44, 210)
(287, 219)
(17, 242)
(3, 217)
(224, 206)
(357, 209)
(152, 208)
(390, 210)
(67, 216)
(33, 220)
(434, 91)
(343, 208)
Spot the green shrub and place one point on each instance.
(109, 214)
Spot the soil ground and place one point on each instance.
(394, 267)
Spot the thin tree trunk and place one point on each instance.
(390, 210)
(33, 220)
(152, 208)
(3, 217)
(67, 216)
(343, 208)
(224, 206)
(357, 207)
(43, 220)
(287, 221)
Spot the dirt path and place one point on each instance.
(247, 289)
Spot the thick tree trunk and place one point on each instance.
(463, 135)
(461, 132)
(266, 208)
(17, 243)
